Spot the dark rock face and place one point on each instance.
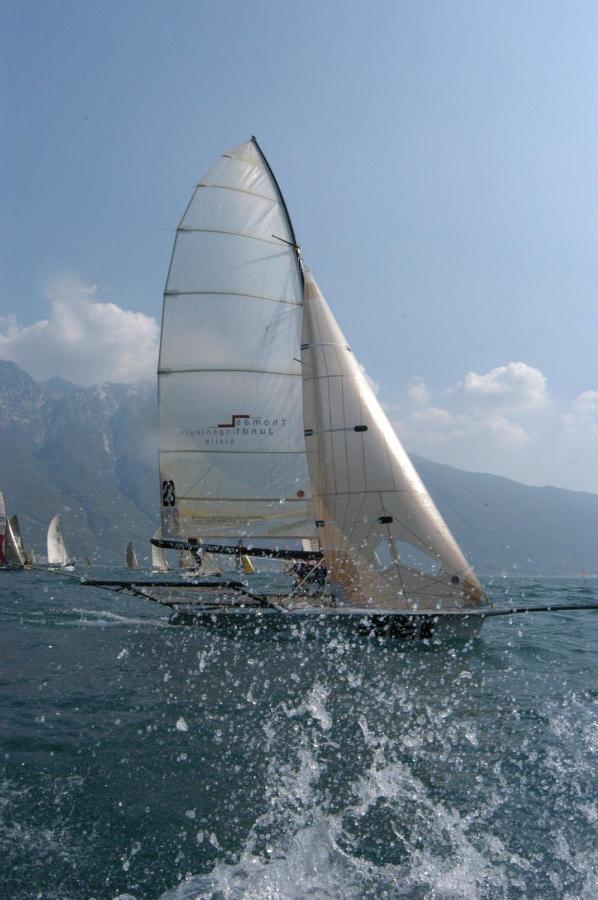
(88, 453)
(91, 455)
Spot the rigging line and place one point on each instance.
(303, 580)
(560, 607)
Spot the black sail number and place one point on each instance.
(168, 494)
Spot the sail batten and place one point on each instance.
(232, 449)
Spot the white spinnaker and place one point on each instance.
(232, 453)
(57, 551)
(383, 538)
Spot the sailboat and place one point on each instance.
(12, 551)
(159, 563)
(270, 434)
(58, 555)
(132, 561)
(273, 444)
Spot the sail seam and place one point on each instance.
(174, 293)
(226, 187)
(182, 229)
(249, 371)
(243, 499)
(236, 452)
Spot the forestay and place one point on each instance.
(232, 452)
(384, 541)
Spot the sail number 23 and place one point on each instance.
(168, 494)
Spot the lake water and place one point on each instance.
(141, 760)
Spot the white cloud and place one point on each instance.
(84, 339)
(417, 392)
(514, 386)
(581, 420)
(504, 421)
(505, 430)
(433, 416)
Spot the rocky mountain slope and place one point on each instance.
(91, 454)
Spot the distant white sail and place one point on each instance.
(132, 561)
(58, 554)
(384, 541)
(3, 524)
(15, 551)
(159, 563)
(232, 452)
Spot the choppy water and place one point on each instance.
(145, 761)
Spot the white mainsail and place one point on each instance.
(132, 561)
(58, 554)
(232, 452)
(383, 538)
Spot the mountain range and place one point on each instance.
(90, 453)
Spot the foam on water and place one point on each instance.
(145, 762)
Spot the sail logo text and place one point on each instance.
(239, 427)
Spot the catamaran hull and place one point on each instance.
(327, 622)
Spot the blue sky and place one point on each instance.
(439, 160)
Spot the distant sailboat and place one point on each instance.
(12, 553)
(31, 557)
(3, 527)
(159, 563)
(132, 561)
(58, 554)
